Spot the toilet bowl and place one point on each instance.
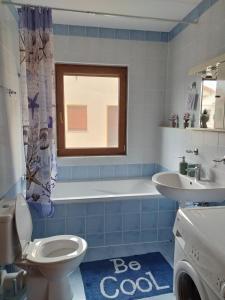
(48, 261)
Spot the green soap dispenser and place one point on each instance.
(183, 166)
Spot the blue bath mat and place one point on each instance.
(127, 278)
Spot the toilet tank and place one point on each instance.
(8, 238)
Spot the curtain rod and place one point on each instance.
(97, 13)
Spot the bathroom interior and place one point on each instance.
(112, 150)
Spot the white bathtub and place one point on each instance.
(103, 190)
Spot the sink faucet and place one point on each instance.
(197, 170)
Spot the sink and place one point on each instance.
(186, 189)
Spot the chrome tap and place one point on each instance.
(197, 170)
(195, 151)
(219, 160)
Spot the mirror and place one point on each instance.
(212, 96)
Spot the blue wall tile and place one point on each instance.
(93, 172)
(59, 211)
(113, 238)
(149, 235)
(167, 204)
(95, 224)
(95, 240)
(165, 234)
(77, 30)
(131, 206)
(148, 169)
(79, 173)
(107, 33)
(164, 37)
(75, 225)
(134, 170)
(123, 34)
(107, 171)
(131, 222)
(153, 36)
(166, 218)
(131, 237)
(203, 6)
(113, 223)
(64, 173)
(112, 207)
(55, 227)
(96, 208)
(138, 35)
(121, 171)
(92, 32)
(76, 209)
(38, 229)
(149, 220)
(149, 205)
(61, 29)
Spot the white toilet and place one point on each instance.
(48, 261)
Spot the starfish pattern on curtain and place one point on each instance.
(38, 105)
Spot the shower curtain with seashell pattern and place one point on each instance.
(37, 79)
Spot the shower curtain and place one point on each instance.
(38, 106)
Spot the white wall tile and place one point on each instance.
(146, 85)
(10, 116)
(193, 46)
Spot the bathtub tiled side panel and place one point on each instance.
(112, 222)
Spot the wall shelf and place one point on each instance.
(195, 129)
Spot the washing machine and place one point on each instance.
(199, 260)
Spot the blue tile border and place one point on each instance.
(196, 13)
(79, 173)
(134, 35)
(126, 34)
(111, 33)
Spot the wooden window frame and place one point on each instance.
(91, 70)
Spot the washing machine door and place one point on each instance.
(187, 283)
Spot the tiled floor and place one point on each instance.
(166, 249)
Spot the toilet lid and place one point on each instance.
(24, 225)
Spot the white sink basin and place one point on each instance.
(185, 189)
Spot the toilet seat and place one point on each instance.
(60, 248)
(54, 249)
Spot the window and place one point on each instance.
(91, 110)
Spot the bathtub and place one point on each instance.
(87, 191)
(109, 213)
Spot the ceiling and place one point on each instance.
(169, 9)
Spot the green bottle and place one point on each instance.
(183, 166)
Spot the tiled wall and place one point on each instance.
(193, 46)
(73, 173)
(10, 117)
(146, 63)
(111, 222)
(211, 146)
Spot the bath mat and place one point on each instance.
(127, 278)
